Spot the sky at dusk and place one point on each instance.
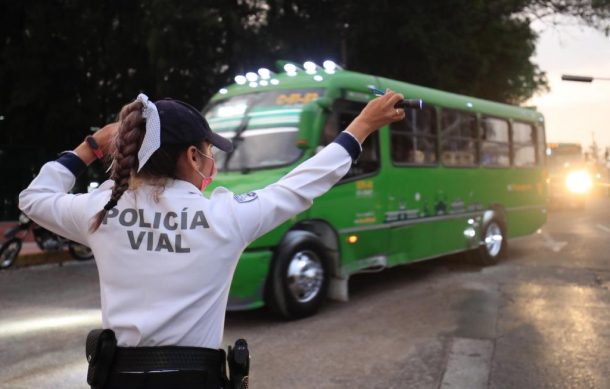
(574, 110)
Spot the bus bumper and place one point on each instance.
(248, 286)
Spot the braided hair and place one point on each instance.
(125, 156)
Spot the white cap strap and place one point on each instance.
(152, 137)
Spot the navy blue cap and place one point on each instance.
(182, 123)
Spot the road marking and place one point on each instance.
(602, 227)
(469, 364)
(551, 243)
(81, 318)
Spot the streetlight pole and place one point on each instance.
(571, 77)
(576, 78)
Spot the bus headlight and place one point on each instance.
(579, 182)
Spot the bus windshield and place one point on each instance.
(565, 156)
(263, 127)
(259, 149)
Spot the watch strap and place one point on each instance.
(99, 154)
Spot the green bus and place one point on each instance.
(461, 174)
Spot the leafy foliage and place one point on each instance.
(67, 65)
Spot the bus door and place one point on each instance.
(411, 178)
(355, 206)
(460, 182)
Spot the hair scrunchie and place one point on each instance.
(110, 204)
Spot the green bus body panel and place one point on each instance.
(399, 213)
(247, 287)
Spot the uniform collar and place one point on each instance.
(182, 186)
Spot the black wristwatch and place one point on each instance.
(94, 146)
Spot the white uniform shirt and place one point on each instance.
(165, 263)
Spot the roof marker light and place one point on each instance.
(253, 84)
(290, 68)
(264, 73)
(223, 91)
(318, 77)
(328, 65)
(274, 81)
(310, 67)
(469, 104)
(263, 82)
(251, 76)
(240, 80)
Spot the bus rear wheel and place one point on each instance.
(299, 276)
(493, 243)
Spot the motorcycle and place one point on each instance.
(45, 239)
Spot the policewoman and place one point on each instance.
(165, 253)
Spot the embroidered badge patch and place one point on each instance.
(246, 197)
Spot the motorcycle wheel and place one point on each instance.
(9, 252)
(80, 252)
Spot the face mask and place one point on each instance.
(207, 180)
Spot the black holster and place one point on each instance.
(100, 350)
(238, 359)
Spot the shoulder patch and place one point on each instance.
(246, 197)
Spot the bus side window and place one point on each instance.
(524, 144)
(413, 140)
(495, 150)
(458, 138)
(368, 162)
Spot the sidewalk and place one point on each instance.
(30, 254)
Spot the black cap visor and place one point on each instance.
(182, 123)
(220, 141)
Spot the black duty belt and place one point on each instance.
(145, 359)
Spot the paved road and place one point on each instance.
(539, 319)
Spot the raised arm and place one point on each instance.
(261, 211)
(46, 199)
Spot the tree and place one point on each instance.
(477, 48)
(66, 65)
(595, 13)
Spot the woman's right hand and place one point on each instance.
(105, 140)
(377, 113)
(105, 137)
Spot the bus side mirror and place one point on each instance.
(310, 120)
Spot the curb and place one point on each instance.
(41, 258)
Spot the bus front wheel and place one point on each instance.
(493, 242)
(299, 276)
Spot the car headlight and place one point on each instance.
(579, 182)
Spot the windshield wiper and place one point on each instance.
(243, 126)
(236, 140)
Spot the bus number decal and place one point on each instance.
(519, 187)
(365, 218)
(364, 188)
(296, 98)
